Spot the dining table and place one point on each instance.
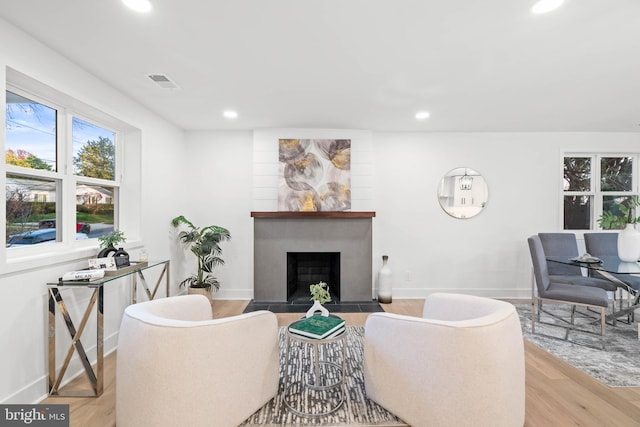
(613, 269)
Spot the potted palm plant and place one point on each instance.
(204, 243)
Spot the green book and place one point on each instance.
(337, 332)
(317, 326)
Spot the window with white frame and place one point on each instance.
(57, 159)
(597, 183)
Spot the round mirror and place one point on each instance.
(463, 193)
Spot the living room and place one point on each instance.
(220, 174)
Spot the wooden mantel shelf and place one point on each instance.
(313, 214)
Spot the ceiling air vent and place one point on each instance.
(163, 81)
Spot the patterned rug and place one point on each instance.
(616, 366)
(357, 409)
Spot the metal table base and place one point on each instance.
(314, 389)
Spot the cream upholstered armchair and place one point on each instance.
(461, 364)
(178, 367)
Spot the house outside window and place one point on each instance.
(596, 183)
(51, 148)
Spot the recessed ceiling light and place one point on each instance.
(230, 114)
(544, 6)
(421, 115)
(138, 5)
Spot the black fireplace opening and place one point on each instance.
(307, 268)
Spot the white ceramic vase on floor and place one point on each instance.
(629, 244)
(384, 281)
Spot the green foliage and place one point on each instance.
(99, 209)
(112, 239)
(577, 173)
(204, 243)
(623, 215)
(26, 160)
(96, 159)
(616, 173)
(320, 292)
(92, 219)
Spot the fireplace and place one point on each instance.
(346, 236)
(306, 268)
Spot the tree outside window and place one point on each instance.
(34, 132)
(595, 184)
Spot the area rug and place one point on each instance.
(357, 409)
(617, 365)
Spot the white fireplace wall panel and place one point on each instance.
(266, 167)
(274, 237)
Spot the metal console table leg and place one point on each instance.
(95, 377)
(150, 295)
(55, 299)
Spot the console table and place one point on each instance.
(55, 298)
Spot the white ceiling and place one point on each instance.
(362, 64)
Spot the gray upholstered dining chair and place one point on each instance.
(606, 244)
(550, 290)
(566, 245)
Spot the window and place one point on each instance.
(594, 184)
(50, 151)
(31, 134)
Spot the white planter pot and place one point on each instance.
(629, 244)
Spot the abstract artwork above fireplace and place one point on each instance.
(315, 175)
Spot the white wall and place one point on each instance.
(429, 250)
(23, 295)
(487, 255)
(218, 190)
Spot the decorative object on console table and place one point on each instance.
(622, 216)
(384, 282)
(87, 275)
(108, 244)
(204, 243)
(319, 295)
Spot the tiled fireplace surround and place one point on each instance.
(277, 233)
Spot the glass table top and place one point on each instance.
(111, 275)
(611, 264)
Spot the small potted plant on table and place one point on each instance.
(108, 244)
(319, 295)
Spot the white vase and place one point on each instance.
(384, 282)
(629, 244)
(317, 307)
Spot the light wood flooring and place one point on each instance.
(557, 394)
